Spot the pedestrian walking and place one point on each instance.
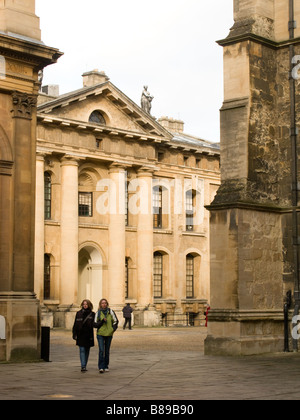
(106, 323)
(127, 311)
(83, 332)
(206, 315)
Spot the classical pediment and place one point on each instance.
(120, 112)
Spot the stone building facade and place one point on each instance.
(120, 207)
(255, 213)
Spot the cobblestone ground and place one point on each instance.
(152, 364)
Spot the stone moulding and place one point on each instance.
(269, 208)
(256, 38)
(235, 315)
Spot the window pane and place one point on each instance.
(189, 210)
(157, 275)
(157, 207)
(97, 117)
(189, 276)
(126, 279)
(85, 204)
(47, 195)
(47, 291)
(126, 200)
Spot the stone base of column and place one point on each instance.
(64, 317)
(244, 333)
(147, 317)
(21, 329)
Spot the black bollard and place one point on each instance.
(45, 344)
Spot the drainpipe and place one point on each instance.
(294, 169)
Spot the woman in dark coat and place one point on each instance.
(83, 332)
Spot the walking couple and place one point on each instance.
(106, 322)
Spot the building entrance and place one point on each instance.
(90, 275)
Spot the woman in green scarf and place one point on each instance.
(106, 323)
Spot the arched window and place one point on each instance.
(157, 275)
(190, 273)
(47, 275)
(96, 117)
(47, 195)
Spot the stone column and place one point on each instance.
(250, 265)
(116, 241)
(22, 56)
(146, 314)
(69, 237)
(39, 227)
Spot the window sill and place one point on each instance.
(200, 234)
(163, 231)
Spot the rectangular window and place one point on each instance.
(99, 144)
(160, 156)
(47, 195)
(157, 275)
(47, 276)
(126, 279)
(190, 277)
(189, 210)
(85, 204)
(126, 200)
(157, 207)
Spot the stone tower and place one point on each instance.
(22, 56)
(254, 259)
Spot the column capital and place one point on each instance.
(146, 171)
(23, 105)
(117, 167)
(70, 160)
(40, 156)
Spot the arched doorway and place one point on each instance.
(90, 275)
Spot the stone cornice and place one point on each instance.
(238, 315)
(29, 50)
(259, 39)
(98, 130)
(268, 207)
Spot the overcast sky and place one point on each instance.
(169, 45)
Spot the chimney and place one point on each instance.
(94, 77)
(51, 90)
(177, 126)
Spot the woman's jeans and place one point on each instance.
(84, 356)
(104, 347)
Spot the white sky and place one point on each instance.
(169, 45)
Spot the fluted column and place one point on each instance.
(69, 231)
(145, 238)
(39, 227)
(116, 232)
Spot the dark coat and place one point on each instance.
(83, 329)
(127, 311)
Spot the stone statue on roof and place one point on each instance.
(146, 101)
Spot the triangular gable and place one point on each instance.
(142, 122)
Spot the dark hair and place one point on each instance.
(102, 301)
(89, 304)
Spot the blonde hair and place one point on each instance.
(89, 304)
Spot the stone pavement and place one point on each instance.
(152, 364)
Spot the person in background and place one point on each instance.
(106, 323)
(83, 332)
(206, 314)
(127, 311)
